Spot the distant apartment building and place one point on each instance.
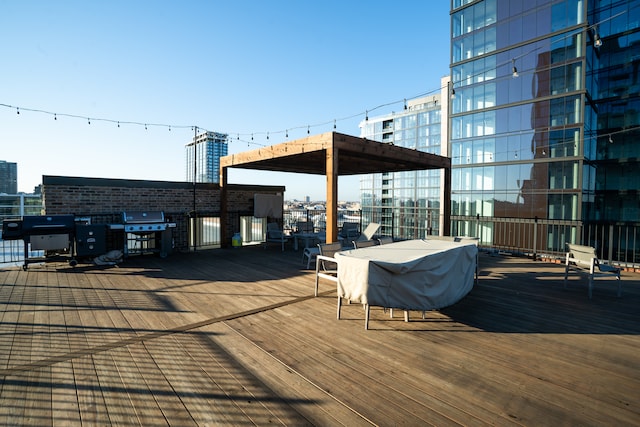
(203, 157)
(545, 121)
(8, 177)
(407, 204)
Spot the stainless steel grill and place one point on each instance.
(147, 232)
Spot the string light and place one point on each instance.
(597, 43)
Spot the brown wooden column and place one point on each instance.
(332, 194)
(224, 212)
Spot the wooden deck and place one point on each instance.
(235, 337)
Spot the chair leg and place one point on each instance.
(339, 306)
(366, 316)
(590, 286)
(619, 285)
(406, 315)
(315, 293)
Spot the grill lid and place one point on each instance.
(48, 223)
(143, 217)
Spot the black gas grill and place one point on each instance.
(147, 232)
(52, 234)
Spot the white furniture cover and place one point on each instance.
(408, 275)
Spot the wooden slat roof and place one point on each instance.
(355, 156)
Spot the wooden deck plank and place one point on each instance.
(235, 337)
(93, 409)
(312, 405)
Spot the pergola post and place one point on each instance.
(224, 211)
(446, 209)
(332, 193)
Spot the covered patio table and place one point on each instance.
(409, 275)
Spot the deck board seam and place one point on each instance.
(152, 335)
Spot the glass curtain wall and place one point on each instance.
(517, 110)
(407, 204)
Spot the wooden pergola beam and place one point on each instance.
(335, 154)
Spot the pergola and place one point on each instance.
(334, 154)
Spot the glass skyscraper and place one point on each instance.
(203, 157)
(544, 115)
(8, 177)
(406, 204)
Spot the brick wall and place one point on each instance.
(104, 200)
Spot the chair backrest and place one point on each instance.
(364, 243)
(385, 240)
(304, 226)
(329, 250)
(349, 229)
(370, 231)
(273, 231)
(582, 254)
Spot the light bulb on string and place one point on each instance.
(118, 123)
(145, 126)
(286, 133)
(405, 103)
(308, 130)
(55, 116)
(366, 115)
(597, 41)
(610, 139)
(267, 136)
(334, 123)
(169, 128)
(17, 110)
(88, 120)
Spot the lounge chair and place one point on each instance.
(584, 260)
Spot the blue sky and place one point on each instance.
(241, 67)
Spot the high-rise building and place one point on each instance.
(546, 117)
(8, 177)
(406, 204)
(203, 157)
